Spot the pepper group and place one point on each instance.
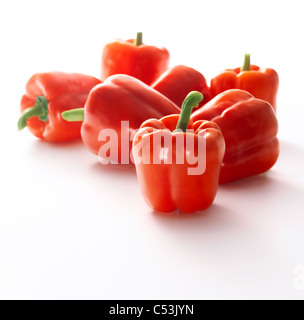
(232, 122)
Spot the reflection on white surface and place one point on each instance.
(88, 233)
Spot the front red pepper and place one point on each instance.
(119, 99)
(250, 129)
(164, 170)
(177, 82)
(134, 58)
(47, 96)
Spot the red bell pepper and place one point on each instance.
(249, 127)
(177, 82)
(47, 96)
(120, 98)
(168, 185)
(134, 58)
(261, 83)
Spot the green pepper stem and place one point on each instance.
(138, 41)
(246, 64)
(73, 115)
(39, 110)
(191, 101)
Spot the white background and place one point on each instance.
(73, 229)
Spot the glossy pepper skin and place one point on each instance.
(120, 98)
(50, 94)
(168, 186)
(141, 61)
(177, 82)
(249, 127)
(261, 83)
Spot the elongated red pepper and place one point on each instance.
(134, 58)
(249, 127)
(119, 99)
(47, 96)
(177, 82)
(166, 182)
(261, 83)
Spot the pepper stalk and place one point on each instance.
(191, 101)
(40, 109)
(73, 115)
(246, 63)
(138, 41)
